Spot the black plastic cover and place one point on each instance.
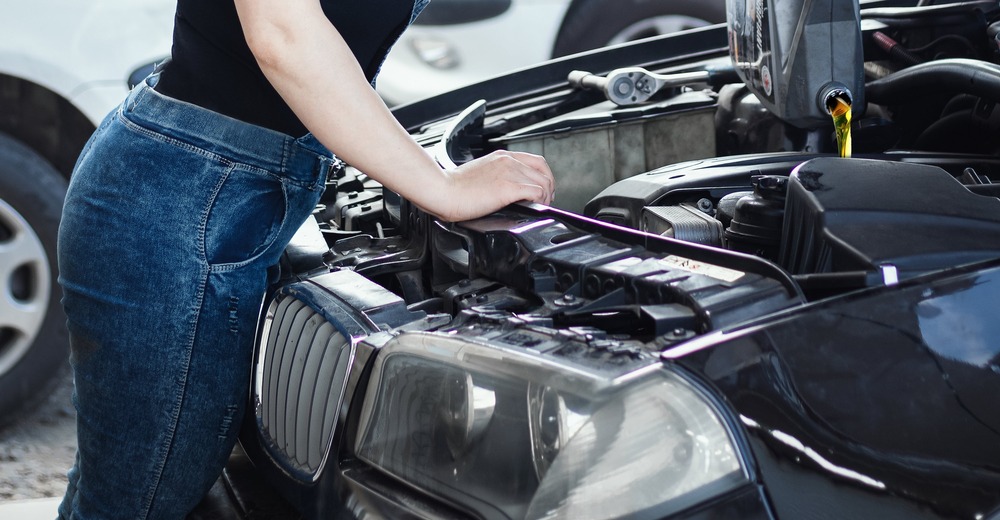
(549, 251)
(859, 214)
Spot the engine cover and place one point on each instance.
(861, 215)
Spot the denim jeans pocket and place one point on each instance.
(253, 214)
(246, 215)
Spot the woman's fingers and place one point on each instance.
(538, 166)
(535, 172)
(489, 183)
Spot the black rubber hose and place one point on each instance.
(956, 76)
(957, 132)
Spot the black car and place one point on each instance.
(724, 318)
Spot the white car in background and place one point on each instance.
(457, 42)
(63, 66)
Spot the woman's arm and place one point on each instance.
(315, 72)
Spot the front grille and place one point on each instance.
(301, 374)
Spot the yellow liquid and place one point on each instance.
(840, 110)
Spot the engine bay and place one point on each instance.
(739, 288)
(698, 208)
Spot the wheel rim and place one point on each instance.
(24, 286)
(656, 26)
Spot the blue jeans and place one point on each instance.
(173, 216)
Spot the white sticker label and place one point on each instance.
(693, 266)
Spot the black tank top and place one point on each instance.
(212, 66)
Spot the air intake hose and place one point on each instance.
(953, 75)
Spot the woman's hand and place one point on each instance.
(487, 184)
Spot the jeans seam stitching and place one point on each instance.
(202, 246)
(178, 400)
(158, 136)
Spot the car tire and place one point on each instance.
(33, 337)
(590, 24)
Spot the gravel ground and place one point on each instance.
(37, 450)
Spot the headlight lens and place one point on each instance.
(513, 434)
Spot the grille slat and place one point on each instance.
(305, 364)
(284, 315)
(310, 381)
(294, 387)
(287, 352)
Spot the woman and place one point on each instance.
(185, 196)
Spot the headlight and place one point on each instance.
(516, 434)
